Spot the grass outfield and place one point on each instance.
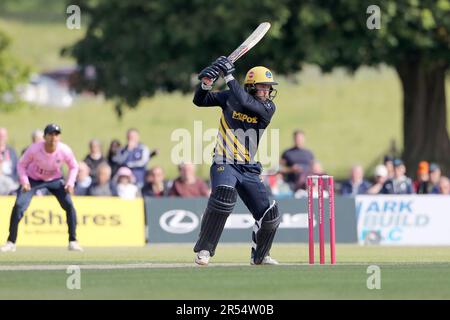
(167, 272)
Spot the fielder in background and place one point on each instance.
(246, 112)
(40, 167)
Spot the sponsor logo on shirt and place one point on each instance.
(44, 172)
(244, 118)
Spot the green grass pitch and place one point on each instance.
(167, 272)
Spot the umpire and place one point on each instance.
(246, 112)
(40, 167)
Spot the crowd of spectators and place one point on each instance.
(121, 172)
(124, 171)
(389, 177)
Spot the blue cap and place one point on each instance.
(52, 128)
(434, 167)
(398, 162)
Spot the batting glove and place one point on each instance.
(224, 65)
(209, 72)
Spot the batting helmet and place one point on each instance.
(260, 75)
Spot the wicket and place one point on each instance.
(322, 182)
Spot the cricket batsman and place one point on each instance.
(40, 167)
(246, 112)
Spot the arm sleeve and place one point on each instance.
(246, 100)
(73, 168)
(345, 190)
(14, 161)
(121, 156)
(410, 187)
(173, 191)
(206, 98)
(384, 189)
(142, 162)
(22, 165)
(204, 189)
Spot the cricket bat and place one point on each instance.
(249, 43)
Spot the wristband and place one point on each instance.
(228, 78)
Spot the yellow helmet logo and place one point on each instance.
(260, 75)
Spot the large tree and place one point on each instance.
(142, 46)
(12, 73)
(413, 37)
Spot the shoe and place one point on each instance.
(202, 258)
(268, 260)
(8, 247)
(75, 246)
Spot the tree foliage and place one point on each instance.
(414, 38)
(12, 73)
(336, 33)
(141, 46)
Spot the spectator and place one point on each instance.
(400, 184)
(95, 157)
(114, 148)
(435, 176)
(125, 184)
(102, 185)
(8, 156)
(7, 185)
(296, 161)
(36, 136)
(155, 185)
(316, 170)
(381, 175)
(356, 184)
(444, 186)
(187, 184)
(279, 188)
(83, 181)
(389, 163)
(135, 156)
(41, 167)
(269, 180)
(422, 184)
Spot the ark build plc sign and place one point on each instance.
(178, 220)
(403, 220)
